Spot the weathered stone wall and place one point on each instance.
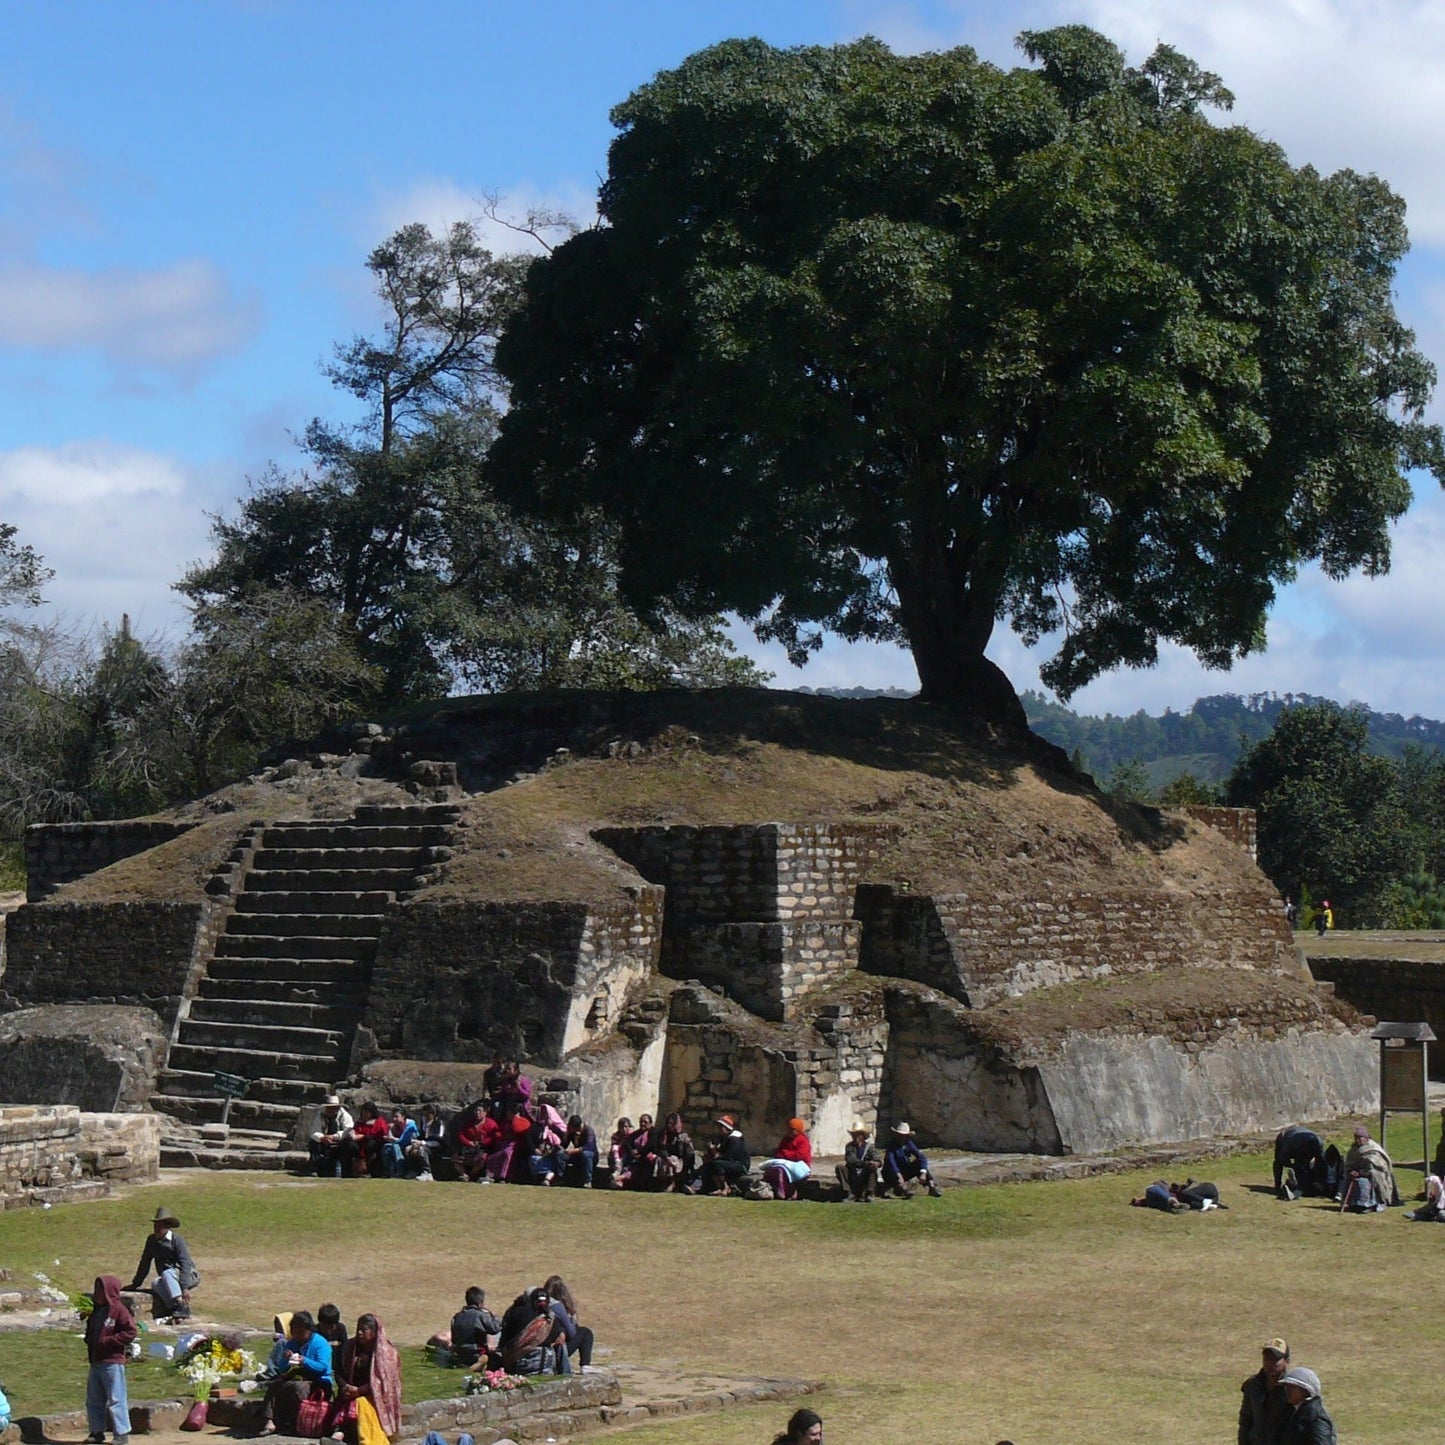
(719, 1060)
(463, 981)
(983, 950)
(769, 968)
(758, 873)
(111, 953)
(954, 1091)
(45, 1148)
(101, 1059)
(1394, 989)
(1239, 825)
(1116, 1090)
(763, 911)
(57, 853)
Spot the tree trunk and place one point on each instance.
(947, 611)
(960, 677)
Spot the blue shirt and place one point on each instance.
(315, 1358)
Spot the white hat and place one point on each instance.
(902, 1129)
(858, 1127)
(331, 1101)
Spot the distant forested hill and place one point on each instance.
(1207, 739)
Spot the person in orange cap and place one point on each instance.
(792, 1161)
(727, 1158)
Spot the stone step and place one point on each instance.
(341, 880)
(292, 982)
(445, 813)
(207, 1109)
(324, 858)
(362, 928)
(267, 1038)
(175, 1082)
(194, 1156)
(351, 835)
(329, 903)
(310, 1013)
(250, 1063)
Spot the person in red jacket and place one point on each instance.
(792, 1161)
(108, 1333)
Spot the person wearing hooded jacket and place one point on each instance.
(1308, 1422)
(108, 1333)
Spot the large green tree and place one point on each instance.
(900, 346)
(394, 528)
(1333, 817)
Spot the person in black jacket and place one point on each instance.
(727, 1158)
(1299, 1149)
(1308, 1422)
(470, 1327)
(176, 1274)
(1265, 1406)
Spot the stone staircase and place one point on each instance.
(281, 998)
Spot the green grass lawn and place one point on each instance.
(1019, 1312)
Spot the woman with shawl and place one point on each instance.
(370, 1370)
(108, 1333)
(531, 1349)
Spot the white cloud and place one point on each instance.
(173, 317)
(117, 525)
(439, 202)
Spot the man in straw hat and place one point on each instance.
(1265, 1406)
(858, 1173)
(176, 1274)
(904, 1163)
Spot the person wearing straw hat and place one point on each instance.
(1308, 1422)
(904, 1163)
(858, 1173)
(176, 1274)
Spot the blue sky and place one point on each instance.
(188, 192)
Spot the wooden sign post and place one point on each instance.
(1404, 1076)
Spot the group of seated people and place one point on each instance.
(321, 1382)
(509, 1137)
(1361, 1181)
(538, 1335)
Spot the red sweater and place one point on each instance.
(797, 1149)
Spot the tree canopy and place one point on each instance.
(394, 528)
(900, 346)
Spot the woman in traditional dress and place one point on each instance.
(370, 1370)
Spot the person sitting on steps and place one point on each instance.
(176, 1274)
(727, 1158)
(858, 1173)
(334, 1125)
(792, 1161)
(300, 1363)
(905, 1163)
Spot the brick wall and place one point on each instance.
(50, 1147)
(118, 953)
(1239, 825)
(764, 911)
(57, 853)
(1392, 989)
(983, 950)
(462, 981)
